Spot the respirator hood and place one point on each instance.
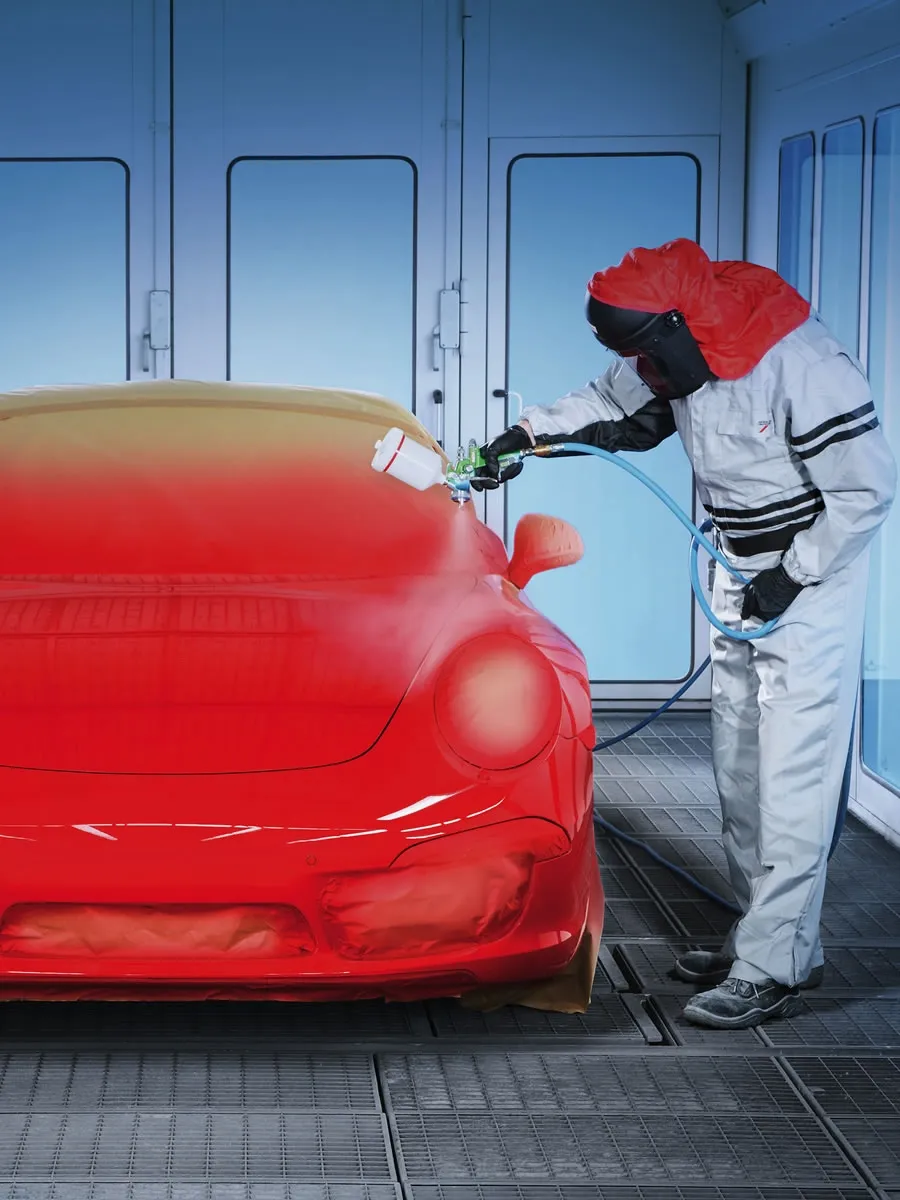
(658, 302)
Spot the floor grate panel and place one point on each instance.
(877, 1142)
(649, 793)
(251, 1079)
(592, 1191)
(622, 883)
(852, 1087)
(607, 1020)
(636, 918)
(662, 821)
(703, 852)
(569, 1083)
(702, 918)
(201, 1191)
(861, 920)
(193, 1146)
(845, 887)
(672, 887)
(652, 963)
(661, 744)
(695, 1035)
(848, 1023)
(856, 968)
(608, 851)
(684, 725)
(657, 766)
(860, 967)
(862, 850)
(642, 1149)
(198, 1022)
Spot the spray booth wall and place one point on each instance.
(408, 199)
(281, 191)
(824, 207)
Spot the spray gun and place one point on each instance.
(399, 455)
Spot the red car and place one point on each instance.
(273, 723)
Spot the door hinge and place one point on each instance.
(448, 318)
(445, 335)
(158, 334)
(160, 320)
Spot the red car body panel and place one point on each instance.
(271, 723)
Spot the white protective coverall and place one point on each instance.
(792, 466)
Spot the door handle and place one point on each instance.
(445, 335)
(437, 397)
(158, 336)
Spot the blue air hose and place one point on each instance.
(698, 539)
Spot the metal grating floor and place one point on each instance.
(433, 1102)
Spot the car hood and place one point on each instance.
(210, 680)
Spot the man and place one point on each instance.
(778, 421)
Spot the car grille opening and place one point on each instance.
(165, 931)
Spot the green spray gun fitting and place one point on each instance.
(469, 462)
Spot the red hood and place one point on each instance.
(206, 680)
(736, 311)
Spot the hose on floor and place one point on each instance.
(698, 539)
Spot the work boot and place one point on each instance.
(737, 1004)
(706, 968)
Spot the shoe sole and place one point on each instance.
(788, 1007)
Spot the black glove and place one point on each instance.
(490, 476)
(769, 594)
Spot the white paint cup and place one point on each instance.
(399, 455)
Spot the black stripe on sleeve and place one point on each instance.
(833, 423)
(846, 435)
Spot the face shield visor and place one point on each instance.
(666, 356)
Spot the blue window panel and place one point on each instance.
(881, 675)
(63, 272)
(841, 248)
(321, 261)
(795, 212)
(627, 604)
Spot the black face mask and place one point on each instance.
(668, 358)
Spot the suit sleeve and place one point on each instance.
(616, 411)
(834, 431)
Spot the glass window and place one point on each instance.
(881, 675)
(795, 212)
(841, 250)
(63, 273)
(571, 216)
(321, 259)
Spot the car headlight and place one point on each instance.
(497, 702)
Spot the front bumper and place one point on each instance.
(534, 936)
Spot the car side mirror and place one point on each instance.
(542, 544)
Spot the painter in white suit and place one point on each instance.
(778, 421)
